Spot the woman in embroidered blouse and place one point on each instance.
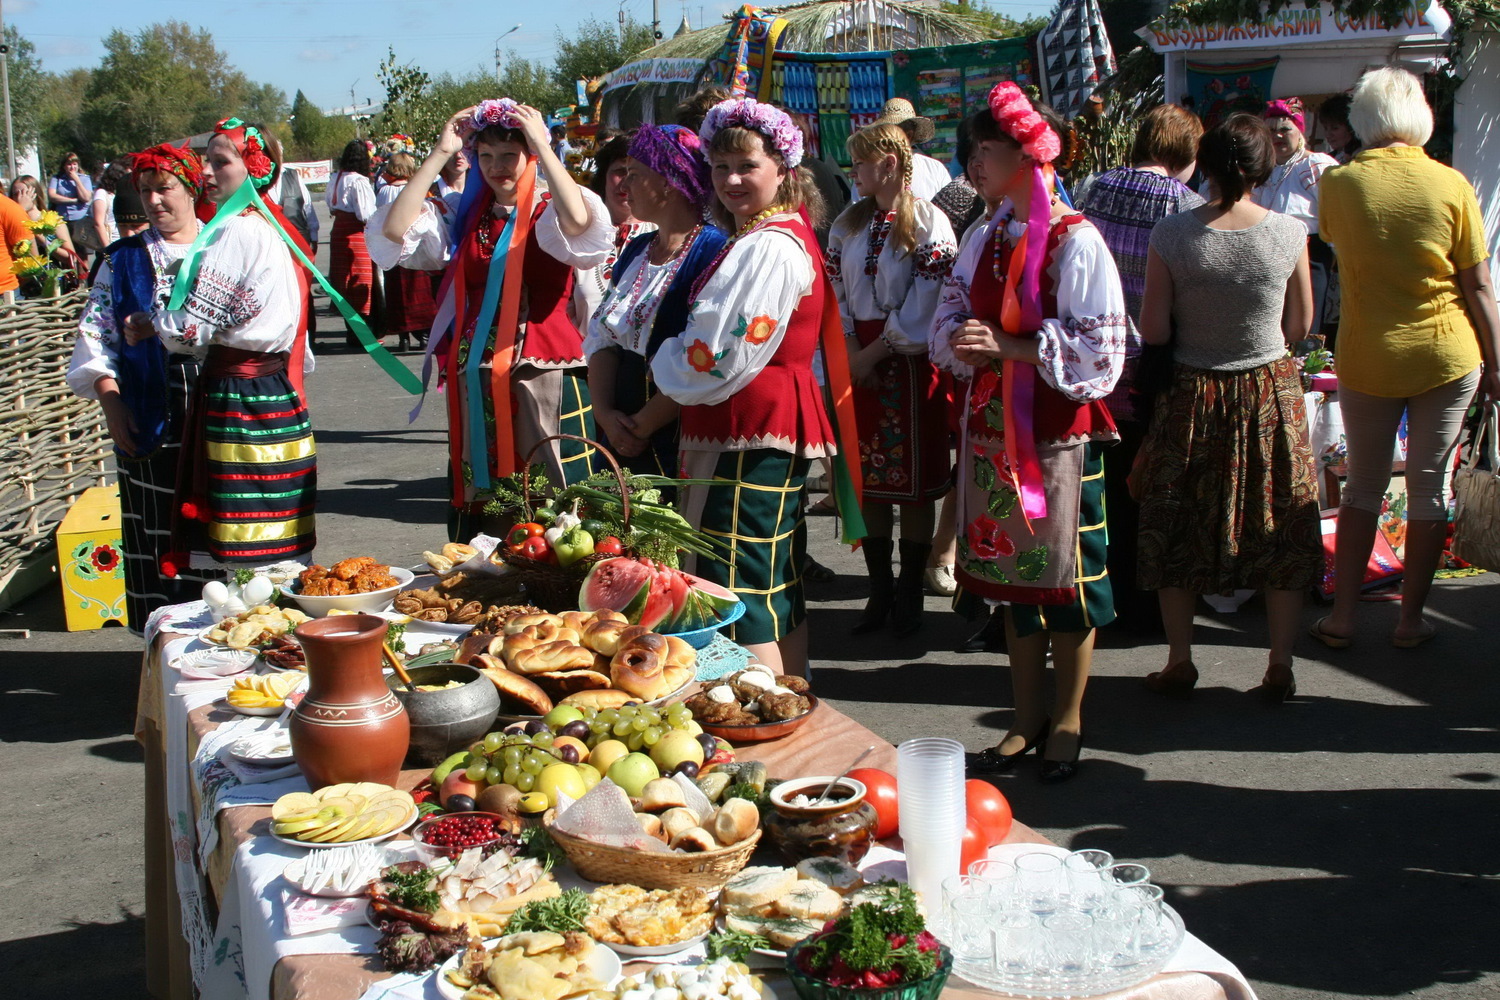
(144, 396)
(888, 254)
(247, 477)
(1034, 309)
(352, 201)
(611, 163)
(1292, 189)
(752, 412)
(562, 228)
(647, 301)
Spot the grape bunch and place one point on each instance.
(639, 727)
(515, 758)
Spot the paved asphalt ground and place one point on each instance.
(1342, 845)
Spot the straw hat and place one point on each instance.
(898, 111)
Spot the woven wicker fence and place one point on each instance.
(53, 444)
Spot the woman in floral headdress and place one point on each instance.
(247, 477)
(510, 246)
(143, 389)
(887, 256)
(1034, 311)
(752, 414)
(647, 301)
(1292, 189)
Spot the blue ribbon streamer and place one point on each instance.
(479, 458)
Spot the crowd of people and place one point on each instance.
(1066, 407)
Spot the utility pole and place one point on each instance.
(622, 22)
(354, 111)
(656, 19)
(10, 136)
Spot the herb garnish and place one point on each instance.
(878, 939)
(734, 945)
(537, 842)
(413, 890)
(558, 914)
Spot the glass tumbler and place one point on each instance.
(1070, 943)
(1040, 882)
(1016, 940)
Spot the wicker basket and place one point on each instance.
(656, 869)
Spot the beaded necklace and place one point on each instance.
(751, 224)
(637, 303)
(482, 231)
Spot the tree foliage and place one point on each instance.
(595, 49)
(1002, 25)
(316, 136)
(27, 85)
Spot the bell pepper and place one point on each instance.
(574, 544)
(518, 535)
(536, 547)
(609, 545)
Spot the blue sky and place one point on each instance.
(325, 47)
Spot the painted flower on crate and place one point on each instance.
(106, 559)
(82, 561)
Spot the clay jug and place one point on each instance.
(350, 726)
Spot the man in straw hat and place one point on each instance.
(928, 175)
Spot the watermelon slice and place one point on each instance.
(621, 584)
(696, 613)
(659, 601)
(717, 595)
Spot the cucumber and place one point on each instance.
(713, 784)
(746, 772)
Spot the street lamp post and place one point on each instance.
(497, 49)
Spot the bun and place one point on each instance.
(638, 670)
(519, 622)
(694, 840)
(652, 827)
(673, 678)
(458, 552)
(678, 819)
(577, 620)
(663, 793)
(551, 657)
(603, 637)
(565, 682)
(476, 643)
(519, 690)
(736, 820)
(757, 886)
(600, 699)
(679, 653)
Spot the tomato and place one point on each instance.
(986, 804)
(976, 845)
(521, 532)
(881, 793)
(536, 547)
(609, 545)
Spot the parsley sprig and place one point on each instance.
(558, 914)
(413, 890)
(863, 938)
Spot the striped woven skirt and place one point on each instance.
(147, 489)
(757, 514)
(350, 269)
(250, 475)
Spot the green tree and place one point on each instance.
(316, 136)
(595, 49)
(27, 84)
(59, 123)
(1002, 25)
(418, 104)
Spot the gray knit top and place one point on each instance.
(1229, 287)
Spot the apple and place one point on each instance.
(560, 778)
(561, 716)
(458, 783)
(606, 753)
(572, 741)
(676, 746)
(692, 728)
(632, 771)
(590, 775)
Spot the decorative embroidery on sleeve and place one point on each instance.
(934, 261)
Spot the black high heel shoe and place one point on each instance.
(1056, 771)
(991, 761)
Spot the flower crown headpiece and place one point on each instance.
(500, 112)
(251, 145)
(399, 143)
(773, 123)
(1014, 114)
(180, 162)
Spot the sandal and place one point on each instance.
(1413, 641)
(1328, 638)
(815, 572)
(826, 507)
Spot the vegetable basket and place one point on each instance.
(656, 869)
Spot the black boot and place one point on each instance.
(990, 638)
(906, 613)
(877, 553)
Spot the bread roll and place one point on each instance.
(519, 622)
(458, 552)
(513, 687)
(600, 699)
(480, 642)
(679, 653)
(577, 620)
(678, 819)
(562, 683)
(652, 826)
(603, 637)
(736, 820)
(551, 657)
(673, 678)
(637, 667)
(694, 840)
(757, 886)
(662, 793)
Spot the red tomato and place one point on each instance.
(988, 806)
(521, 532)
(536, 547)
(975, 845)
(608, 546)
(881, 794)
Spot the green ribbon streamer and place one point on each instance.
(244, 198)
(853, 527)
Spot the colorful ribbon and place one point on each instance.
(247, 197)
(478, 450)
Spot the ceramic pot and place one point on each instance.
(350, 726)
(843, 827)
(446, 721)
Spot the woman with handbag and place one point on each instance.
(1418, 332)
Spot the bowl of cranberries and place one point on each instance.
(450, 834)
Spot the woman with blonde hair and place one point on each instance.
(1418, 332)
(888, 254)
(28, 192)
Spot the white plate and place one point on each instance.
(216, 661)
(369, 602)
(224, 703)
(271, 746)
(350, 843)
(603, 963)
(635, 951)
(440, 628)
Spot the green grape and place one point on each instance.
(512, 755)
(494, 741)
(608, 717)
(476, 748)
(526, 782)
(494, 775)
(652, 714)
(640, 723)
(531, 765)
(651, 736)
(622, 728)
(476, 770)
(542, 740)
(512, 774)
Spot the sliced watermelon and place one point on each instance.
(679, 587)
(721, 597)
(696, 613)
(621, 584)
(657, 607)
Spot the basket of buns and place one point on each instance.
(703, 856)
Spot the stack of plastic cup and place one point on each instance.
(930, 789)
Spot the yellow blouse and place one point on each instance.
(1404, 225)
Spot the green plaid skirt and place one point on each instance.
(757, 514)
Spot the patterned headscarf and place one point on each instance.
(1291, 108)
(252, 147)
(180, 162)
(676, 153)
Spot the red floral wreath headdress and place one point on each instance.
(251, 145)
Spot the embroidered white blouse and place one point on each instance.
(1083, 346)
(246, 295)
(351, 192)
(765, 275)
(591, 283)
(628, 310)
(428, 242)
(875, 280)
(98, 343)
(1292, 188)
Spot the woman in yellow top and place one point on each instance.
(1418, 333)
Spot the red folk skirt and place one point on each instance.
(903, 427)
(410, 300)
(349, 267)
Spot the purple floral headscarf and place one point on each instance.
(500, 112)
(773, 123)
(677, 154)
